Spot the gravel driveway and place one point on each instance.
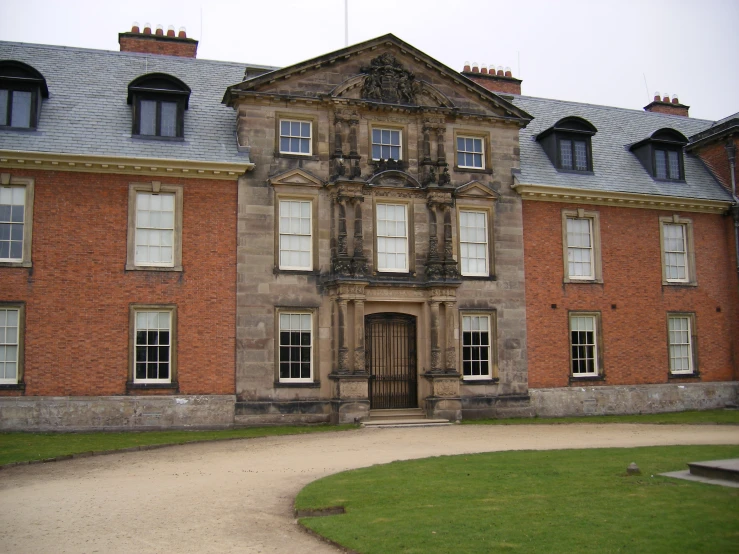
(237, 496)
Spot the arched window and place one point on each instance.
(568, 145)
(21, 90)
(159, 102)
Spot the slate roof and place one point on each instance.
(615, 167)
(87, 113)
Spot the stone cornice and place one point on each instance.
(545, 193)
(129, 166)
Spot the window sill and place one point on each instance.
(278, 271)
(16, 386)
(587, 379)
(569, 281)
(130, 267)
(492, 381)
(311, 385)
(309, 157)
(458, 169)
(174, 387)
(158, 138)
(575, 171)
(679, 284)
(16, 264)
(478, 277)
(18, 129)
(694, 375)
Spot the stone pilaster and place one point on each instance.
(451, 352)
(435, 347)
(343, 349)
(359, 362)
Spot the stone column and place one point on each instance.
(342, 228)
(359, 362)
(358, 236)
(353, 153)
(343, 349)
(440, 152)
(447, 232)
(435, 348)
(451, 353)
(338, 146)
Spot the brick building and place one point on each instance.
(190, 242)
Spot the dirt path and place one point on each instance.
(237, 496)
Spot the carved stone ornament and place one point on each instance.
(388, 81)
(353, 389)
(446, 388)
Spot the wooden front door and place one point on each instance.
(390, 347)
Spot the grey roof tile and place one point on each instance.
(615, 167)
(87, 113)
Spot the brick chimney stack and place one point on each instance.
(499, 81)
(158, 43)
(665, 105)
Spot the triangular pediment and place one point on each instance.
(384, 72)
(295, 177)
(476, 189)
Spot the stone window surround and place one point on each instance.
(690, 253)
(393, 126)
(7, 179)
(410, 240)
(487, 162)
(464, 206)
(314, 364)
(580, 213)
(173, 384)
(312, 197)
(154, 187)
(311, 118)
(599, 365)
(693, 345)
(493, 375)
(21, 307)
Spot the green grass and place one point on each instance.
(567, 501)
(24, 447)
(720, 417)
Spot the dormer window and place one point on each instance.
(21, 90)
(159, 102)
(662, 154)
(567, 143)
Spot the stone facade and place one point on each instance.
(344, 285)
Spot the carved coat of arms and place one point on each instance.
(388, 81)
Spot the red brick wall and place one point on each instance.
(78, 292)
(498, 84)
(715, 157)
(635, 333)
(150, 44)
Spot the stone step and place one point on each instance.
(725, 470)
(416, 413)
(405, 422)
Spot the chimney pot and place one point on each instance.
(466, 66)
(500, 71)
(666, 99)
(657, 96)
(170, 31)
(508, 72)
(674, 99)
(475, 68)
(160, 30)
(135, 27)
(484, 69)
(147, 28)
(182, 33)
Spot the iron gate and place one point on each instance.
(390, 343)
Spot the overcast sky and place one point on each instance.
(616, 52)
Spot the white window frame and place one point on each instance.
(679, 255)
(593, 219)
(688, 251)
(594, 344)
(287, 233)
(481, 153)
(485, 244)
(162, 229)
(489, 345)
(381, 238)
(9, 182)
(309, 138)
(676, 340)
(171, 312)
(381, 144)
(154, 188)
(302, 316)
(11, 342)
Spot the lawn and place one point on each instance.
(566, 501)
(720, 417)
(23, 447)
